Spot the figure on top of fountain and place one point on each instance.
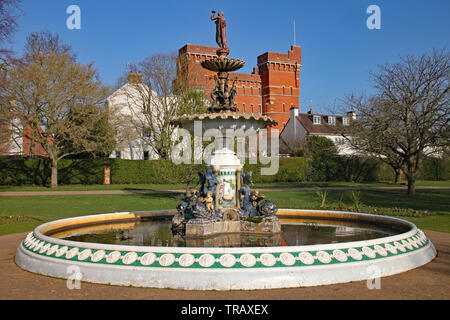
(221, 37)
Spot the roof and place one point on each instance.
(306, 120)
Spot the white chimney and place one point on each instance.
(351, 115)
(293, 113)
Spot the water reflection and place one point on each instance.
(294, 233)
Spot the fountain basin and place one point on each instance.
(224, 121)
(223, 64)
(225, 268)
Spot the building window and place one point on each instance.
(332, 120)
(243, 107)
(283, 91)
(317, 120)
(251, 106)
(243, 91)
(260, 108)
(345, 121)
(284, 107)
(291, 92)
(146, 155)
(251, 91)
(118, 154)
(259, 90)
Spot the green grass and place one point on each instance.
(183, 186)
(435, 201)
(96, 187)
(48, 208)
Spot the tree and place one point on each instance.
(155, 95)
(407, 118)
(55, 100)
(9, 12)
(321, 153)
(101, 134)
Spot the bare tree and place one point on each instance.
(54, 99)
(9, 12)
(407, 118)
(155, 94)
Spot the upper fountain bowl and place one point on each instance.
(224, 121)
(223, 64)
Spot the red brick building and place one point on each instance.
(272, 89)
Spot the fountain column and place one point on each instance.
(226, 165)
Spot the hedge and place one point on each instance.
(295, 169)
(435, 169)
(38, 171)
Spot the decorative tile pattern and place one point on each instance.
(226, 260)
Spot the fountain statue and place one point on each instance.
(224, 201)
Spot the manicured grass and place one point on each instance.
(183, 186)
(436, 202)
(96, 187)
(48, 208)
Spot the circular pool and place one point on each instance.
(138, 249)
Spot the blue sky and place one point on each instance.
(338, 49)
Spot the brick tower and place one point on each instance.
(272, 88)
(280, 77)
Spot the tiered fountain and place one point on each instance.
(223, 236)
(224, 203)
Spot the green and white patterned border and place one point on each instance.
(225, 260)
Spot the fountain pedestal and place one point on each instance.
(227, 167)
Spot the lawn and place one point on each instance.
(20, 214)
(256, 185)
(96, 187)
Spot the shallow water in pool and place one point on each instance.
(295, 232)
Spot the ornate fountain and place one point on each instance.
(224, 201)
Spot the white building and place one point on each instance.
(301, 125)
(127, 105)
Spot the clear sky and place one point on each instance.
(338, 49)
